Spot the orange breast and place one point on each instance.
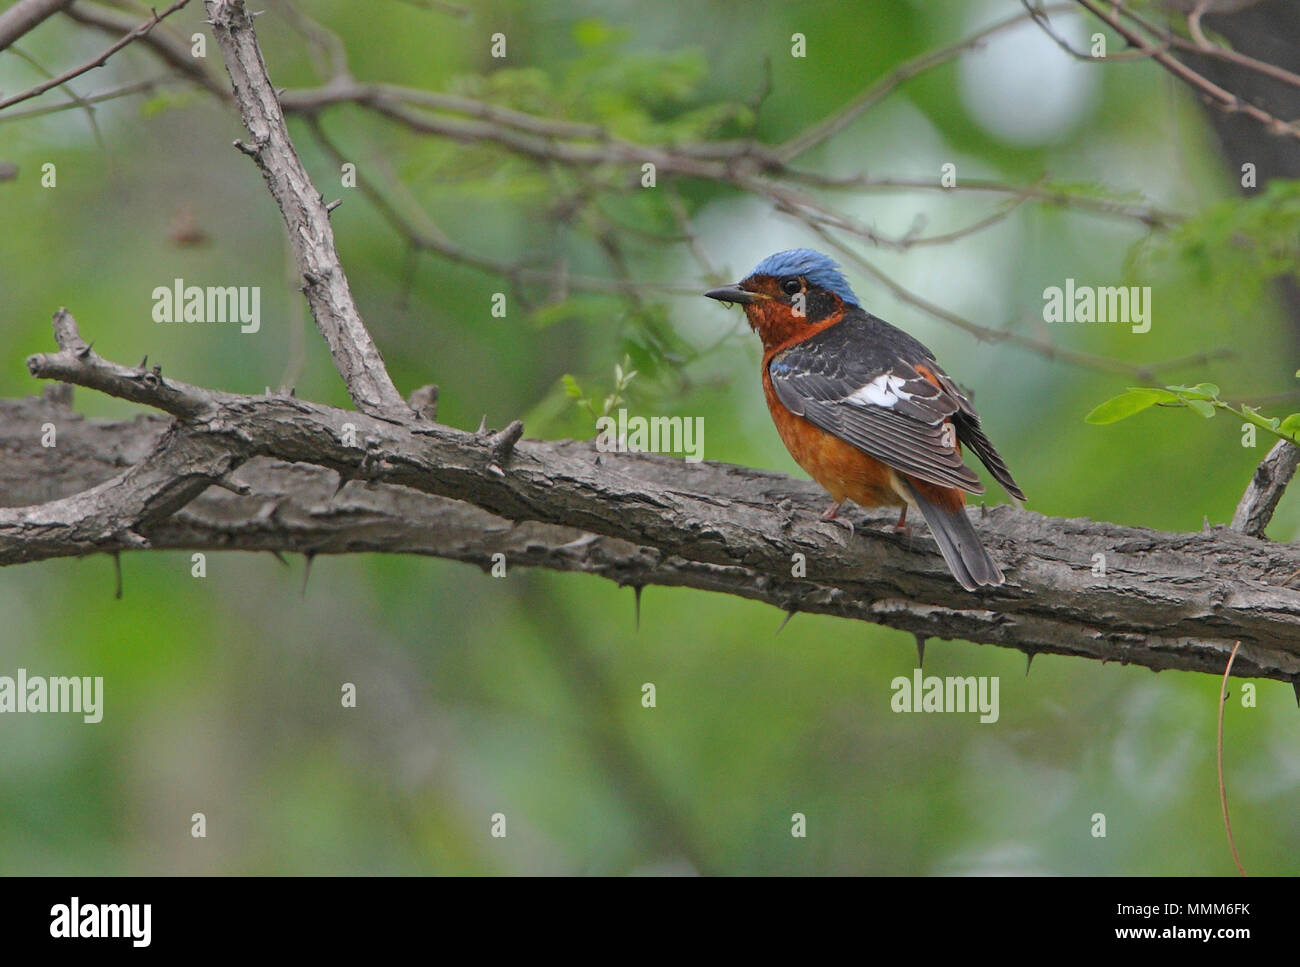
(840, 467)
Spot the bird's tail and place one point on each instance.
(960, 545)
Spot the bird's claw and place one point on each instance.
(832, 516)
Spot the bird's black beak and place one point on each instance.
(733, 293)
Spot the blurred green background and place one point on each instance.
(522, 695)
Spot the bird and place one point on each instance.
(865, 409)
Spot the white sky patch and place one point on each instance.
(885, 390)
(1021, 87)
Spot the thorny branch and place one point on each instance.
(278, 473)
(1160, 600)
(312, 239)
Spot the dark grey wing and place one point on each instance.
(853, 380)
(972, 435)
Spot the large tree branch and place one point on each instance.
(1155, 599)
(1074, 587)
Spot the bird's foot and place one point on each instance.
(832, 516)
(902, 527)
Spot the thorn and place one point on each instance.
(308, 556)
(1295, 684)
(144, 364)
(1205, 523)
(333, 205)
(636, 592)
(482, 426)
(344, 480)
(117, 570)
(789, 613)
(279, 557)
(920, 651)
(84, 351)
(247, 149)
(1029, 660)
(503, 444)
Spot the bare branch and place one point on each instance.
(24, 16)
(171, 48)
(1265, 489)
(1161, 600)
(77, 363)
(1143, 372)
(837, 122)
(326, 286)
(90, 65)
(1213, 93)
(89, 100)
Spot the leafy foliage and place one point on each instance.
(1203, 398)
(1232, 249)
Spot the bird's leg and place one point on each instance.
(901, 527)
(832, 514)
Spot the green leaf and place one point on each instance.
(1201, 391)
(1255, 416)
(1291, 426)
(1203, 407)
(1126, 404)
(571, 388)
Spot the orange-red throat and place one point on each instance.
(779, 312)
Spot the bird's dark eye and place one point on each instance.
(791, 285)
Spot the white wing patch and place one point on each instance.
(885, 390)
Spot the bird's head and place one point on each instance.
(790, 293)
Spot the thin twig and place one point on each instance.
(837, 122)
(99, 61)
(1216, 95)
(1218, 755)
(1142, 373)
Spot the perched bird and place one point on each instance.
(864, 408)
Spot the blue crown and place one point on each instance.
(818, 269)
